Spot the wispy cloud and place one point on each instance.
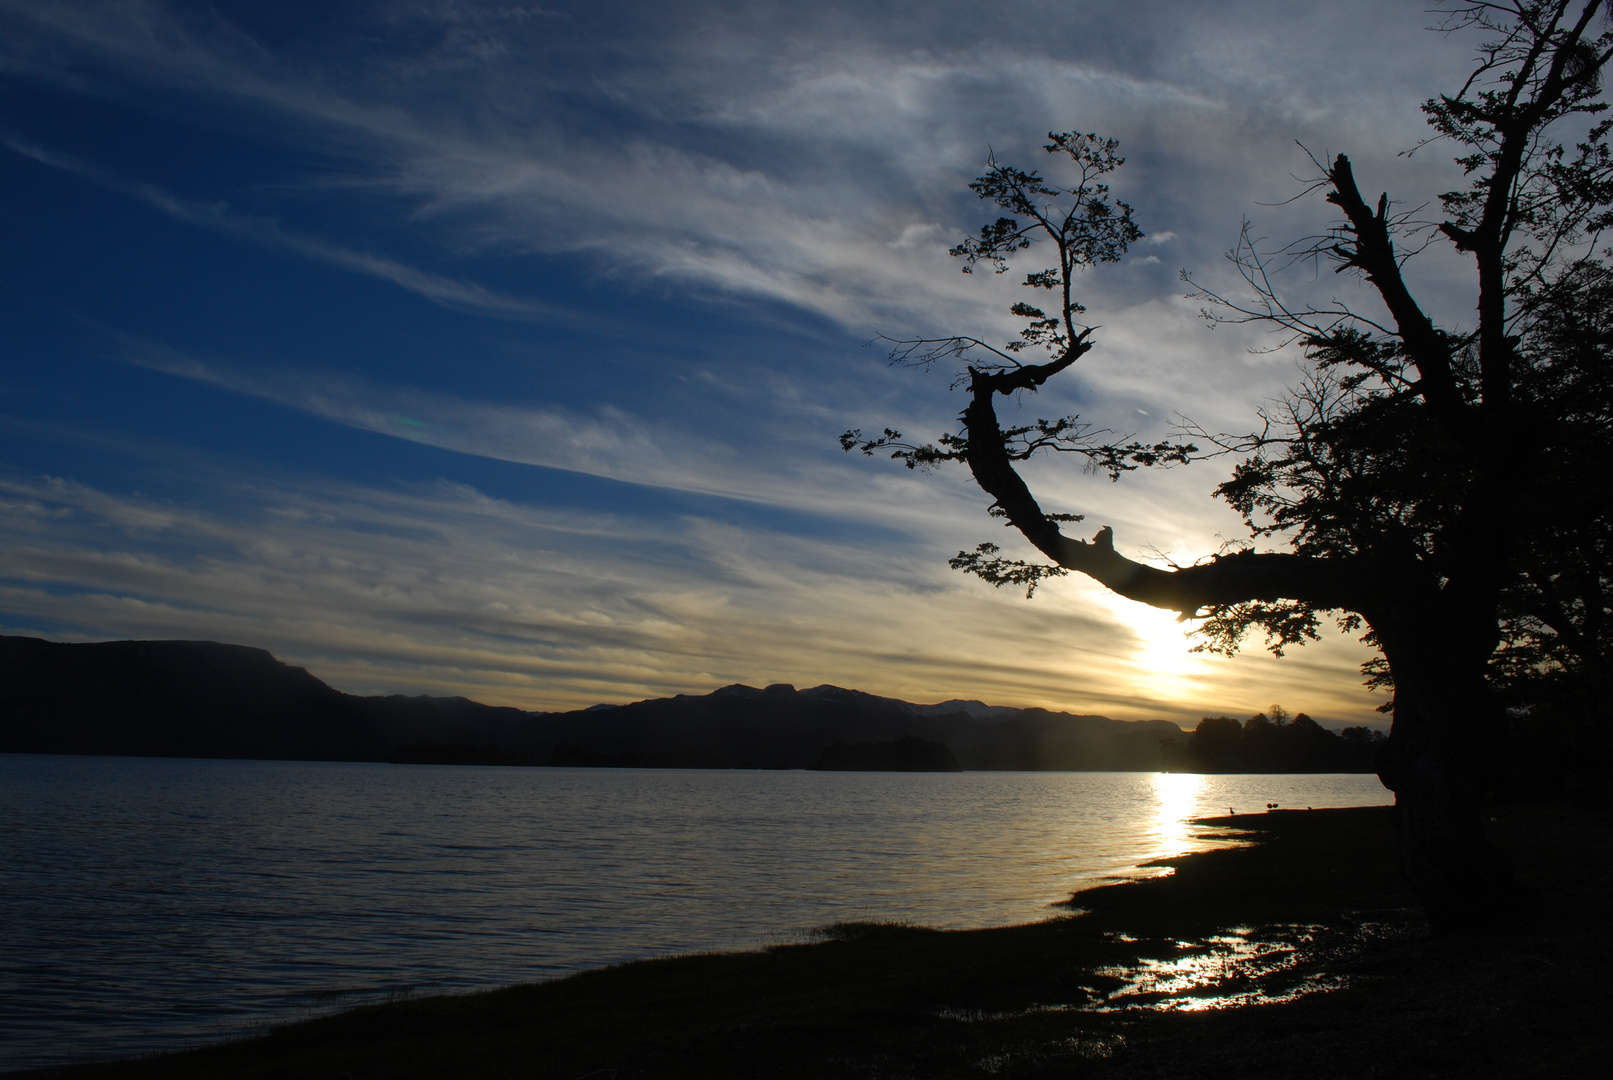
(663, 452)
(443, 589)
(785, 156)
(218, 217)
(610, 444)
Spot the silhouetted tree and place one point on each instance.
(1361, 747)
(1276, 742)
(1216, 745)
(1443, 488)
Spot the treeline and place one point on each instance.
(1273, 741)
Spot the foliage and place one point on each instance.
(1404, 441)
(1275, 741)
(1090, 228)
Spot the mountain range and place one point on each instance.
(207, 699)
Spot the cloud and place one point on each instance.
(1147, 511)
(217, 217)
(441, 588)
(814, 159)
(652, 451)
(777, 155)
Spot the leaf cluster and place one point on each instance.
(986, 564)
(1539, 68)
(1081, 220)
(1067, 434)
(1347, 465)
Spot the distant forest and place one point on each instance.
(1272, 741)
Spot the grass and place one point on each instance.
(1317, 902)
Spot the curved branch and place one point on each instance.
(1327, 583)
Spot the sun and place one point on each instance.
(1164, 647)
(1159, 663)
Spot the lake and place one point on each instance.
(148, 903)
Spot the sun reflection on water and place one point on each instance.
(1177, 795)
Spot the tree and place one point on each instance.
(1444, 489)
(1276, 742)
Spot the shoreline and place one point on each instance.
(1313, 916)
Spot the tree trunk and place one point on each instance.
(1436, 764)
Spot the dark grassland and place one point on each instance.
(1528, 998)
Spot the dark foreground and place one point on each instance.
(1312, 930)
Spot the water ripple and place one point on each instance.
(151, 903)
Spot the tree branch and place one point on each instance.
(1326, 583)
(1374, 254)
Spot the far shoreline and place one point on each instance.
(538, 766)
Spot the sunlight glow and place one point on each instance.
(1165, 645)
(1162, 663)
(1178, 797)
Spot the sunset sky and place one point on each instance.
(501, 349)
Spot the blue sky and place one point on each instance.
(501, 349)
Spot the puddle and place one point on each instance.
(1223, 972)
(1243, 966)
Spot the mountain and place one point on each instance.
(206, 699)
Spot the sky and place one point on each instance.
(501, 349)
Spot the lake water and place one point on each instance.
(149, 903)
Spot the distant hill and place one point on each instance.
(205, 699)
(910, 754)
